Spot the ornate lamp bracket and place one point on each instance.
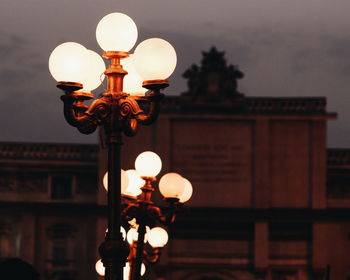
(115, 109)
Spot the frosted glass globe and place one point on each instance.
(155, 59)
(135, 183)
(131, 236)
(122, 230)
(126, 270)
(100, 269)
(148, 164)
(116, 32)
(69, 62)
(157, 237)
(187, 193)
(124, 180)
(95, 75)
(171, 185)
(132, 81)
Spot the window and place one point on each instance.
(59, 255)
(61, 187)
(61, 245)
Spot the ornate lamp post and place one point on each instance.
(141, 212)
(78, 71)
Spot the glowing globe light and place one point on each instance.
(133, 235)
(68, 62)
(95, 71)
(100, 269)
(132, 81)
(155, 59)
(135, 183)
(126, 270)
(116, 32)
(187, 193)
(157, 237)
(148, 164)
(171, 185)
(124, 180)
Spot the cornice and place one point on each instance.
(43, 151)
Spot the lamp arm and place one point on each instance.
(69, 113)
(154, 212)
(154, 100)
(168, 218)
(168, 215)
(152, 257)
(130, 212)
(87, 121)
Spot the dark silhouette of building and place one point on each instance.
(270, 202)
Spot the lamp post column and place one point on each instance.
(114, 250)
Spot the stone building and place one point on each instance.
(269, 201)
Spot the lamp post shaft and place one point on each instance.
(115, 271)
(145, 201)
(136, 273)
(116, 251)
(114, 165)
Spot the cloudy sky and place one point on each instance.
(285, 48)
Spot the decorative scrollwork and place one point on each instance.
(129, 107)
(99, 111)
(102, 110)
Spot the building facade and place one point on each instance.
(269, 201)
(48, 207)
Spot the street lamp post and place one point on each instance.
(175, 189)
(78, 71)
(141, 212)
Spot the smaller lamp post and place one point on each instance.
(139, 210)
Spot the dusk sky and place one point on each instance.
(285, 48)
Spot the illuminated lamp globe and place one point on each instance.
(122, 230)
(157, 237)
(135, 183)
(95, 75)
(124, 180)
(171, 185)
(68, 62)
(187, 193)
(100, 269)
(132, 82)
(148, 164)
(155, 59)
(116, 32)
(126, 270)
(133, 235)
